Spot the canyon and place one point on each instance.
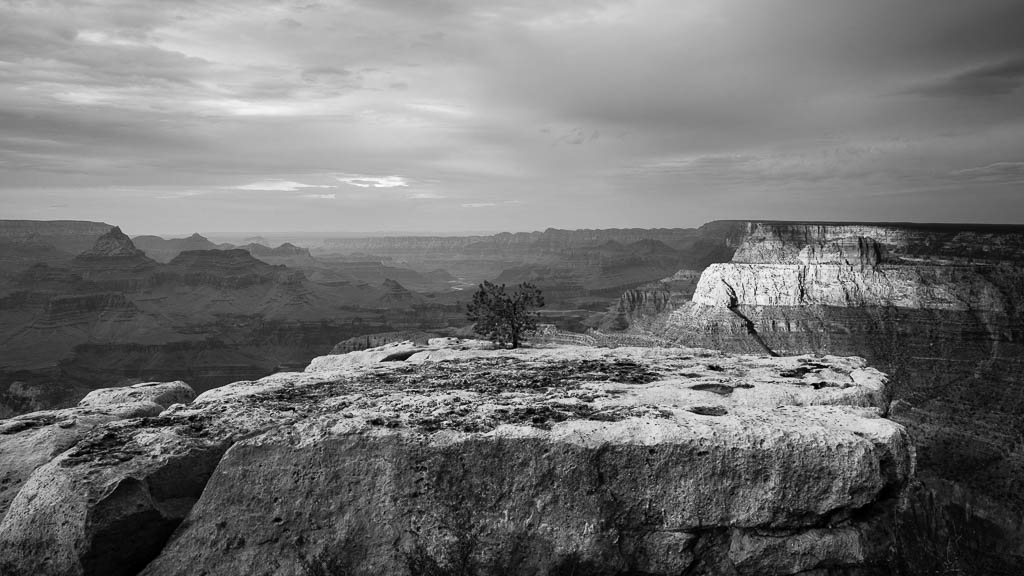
(123, 310)
(936, 307)
(111, 315)
(448, 457)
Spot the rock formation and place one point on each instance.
(637, 305)
(225, 269)
(114, 316)
(163, 250)
(68, 236)
(31, 440)
(116, 264)
(940, 307)
(448, 458)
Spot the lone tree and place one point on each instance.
(505, 318)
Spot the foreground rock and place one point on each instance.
(31, 440)
(550, 461)
(163, 393)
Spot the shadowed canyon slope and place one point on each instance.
(462, 460)
(111, 315)
(940, 307)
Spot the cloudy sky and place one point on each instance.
(173, 116)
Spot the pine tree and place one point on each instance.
(505, 318)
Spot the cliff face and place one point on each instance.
(448, 458)
(636, 306)
(939, 307)
(70, 236)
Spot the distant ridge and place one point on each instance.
(70, 236)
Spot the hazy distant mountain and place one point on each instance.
(163, 250)
(114, 315)
(286, 254)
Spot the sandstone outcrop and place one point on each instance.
(456, 459)
(845, 285)
(163, 393)
(31, 440)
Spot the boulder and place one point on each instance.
(31, 440)
(163, 393)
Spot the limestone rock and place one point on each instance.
(389, 352)
(163, 393)
(31, 440)
(918, 287)
(477, 461)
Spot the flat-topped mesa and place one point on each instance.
(69, 236)
(450, 457)
(906, 243)
(861, 265)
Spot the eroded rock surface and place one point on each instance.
(31, 440)
(456, 459)
(163, 393)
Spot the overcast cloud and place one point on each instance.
(444, 115)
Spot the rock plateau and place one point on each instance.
(449, 458)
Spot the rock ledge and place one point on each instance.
(450, 458)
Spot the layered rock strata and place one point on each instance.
(448, 458)
(940, 307)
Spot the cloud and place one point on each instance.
(320, 196)
(1009, 172)
(491, 204)
(279, 186)
(986, 81)
(667, 112)
(363, 181)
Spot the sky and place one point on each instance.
(450, 116)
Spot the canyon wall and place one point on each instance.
(941, 308)
(70, 236)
